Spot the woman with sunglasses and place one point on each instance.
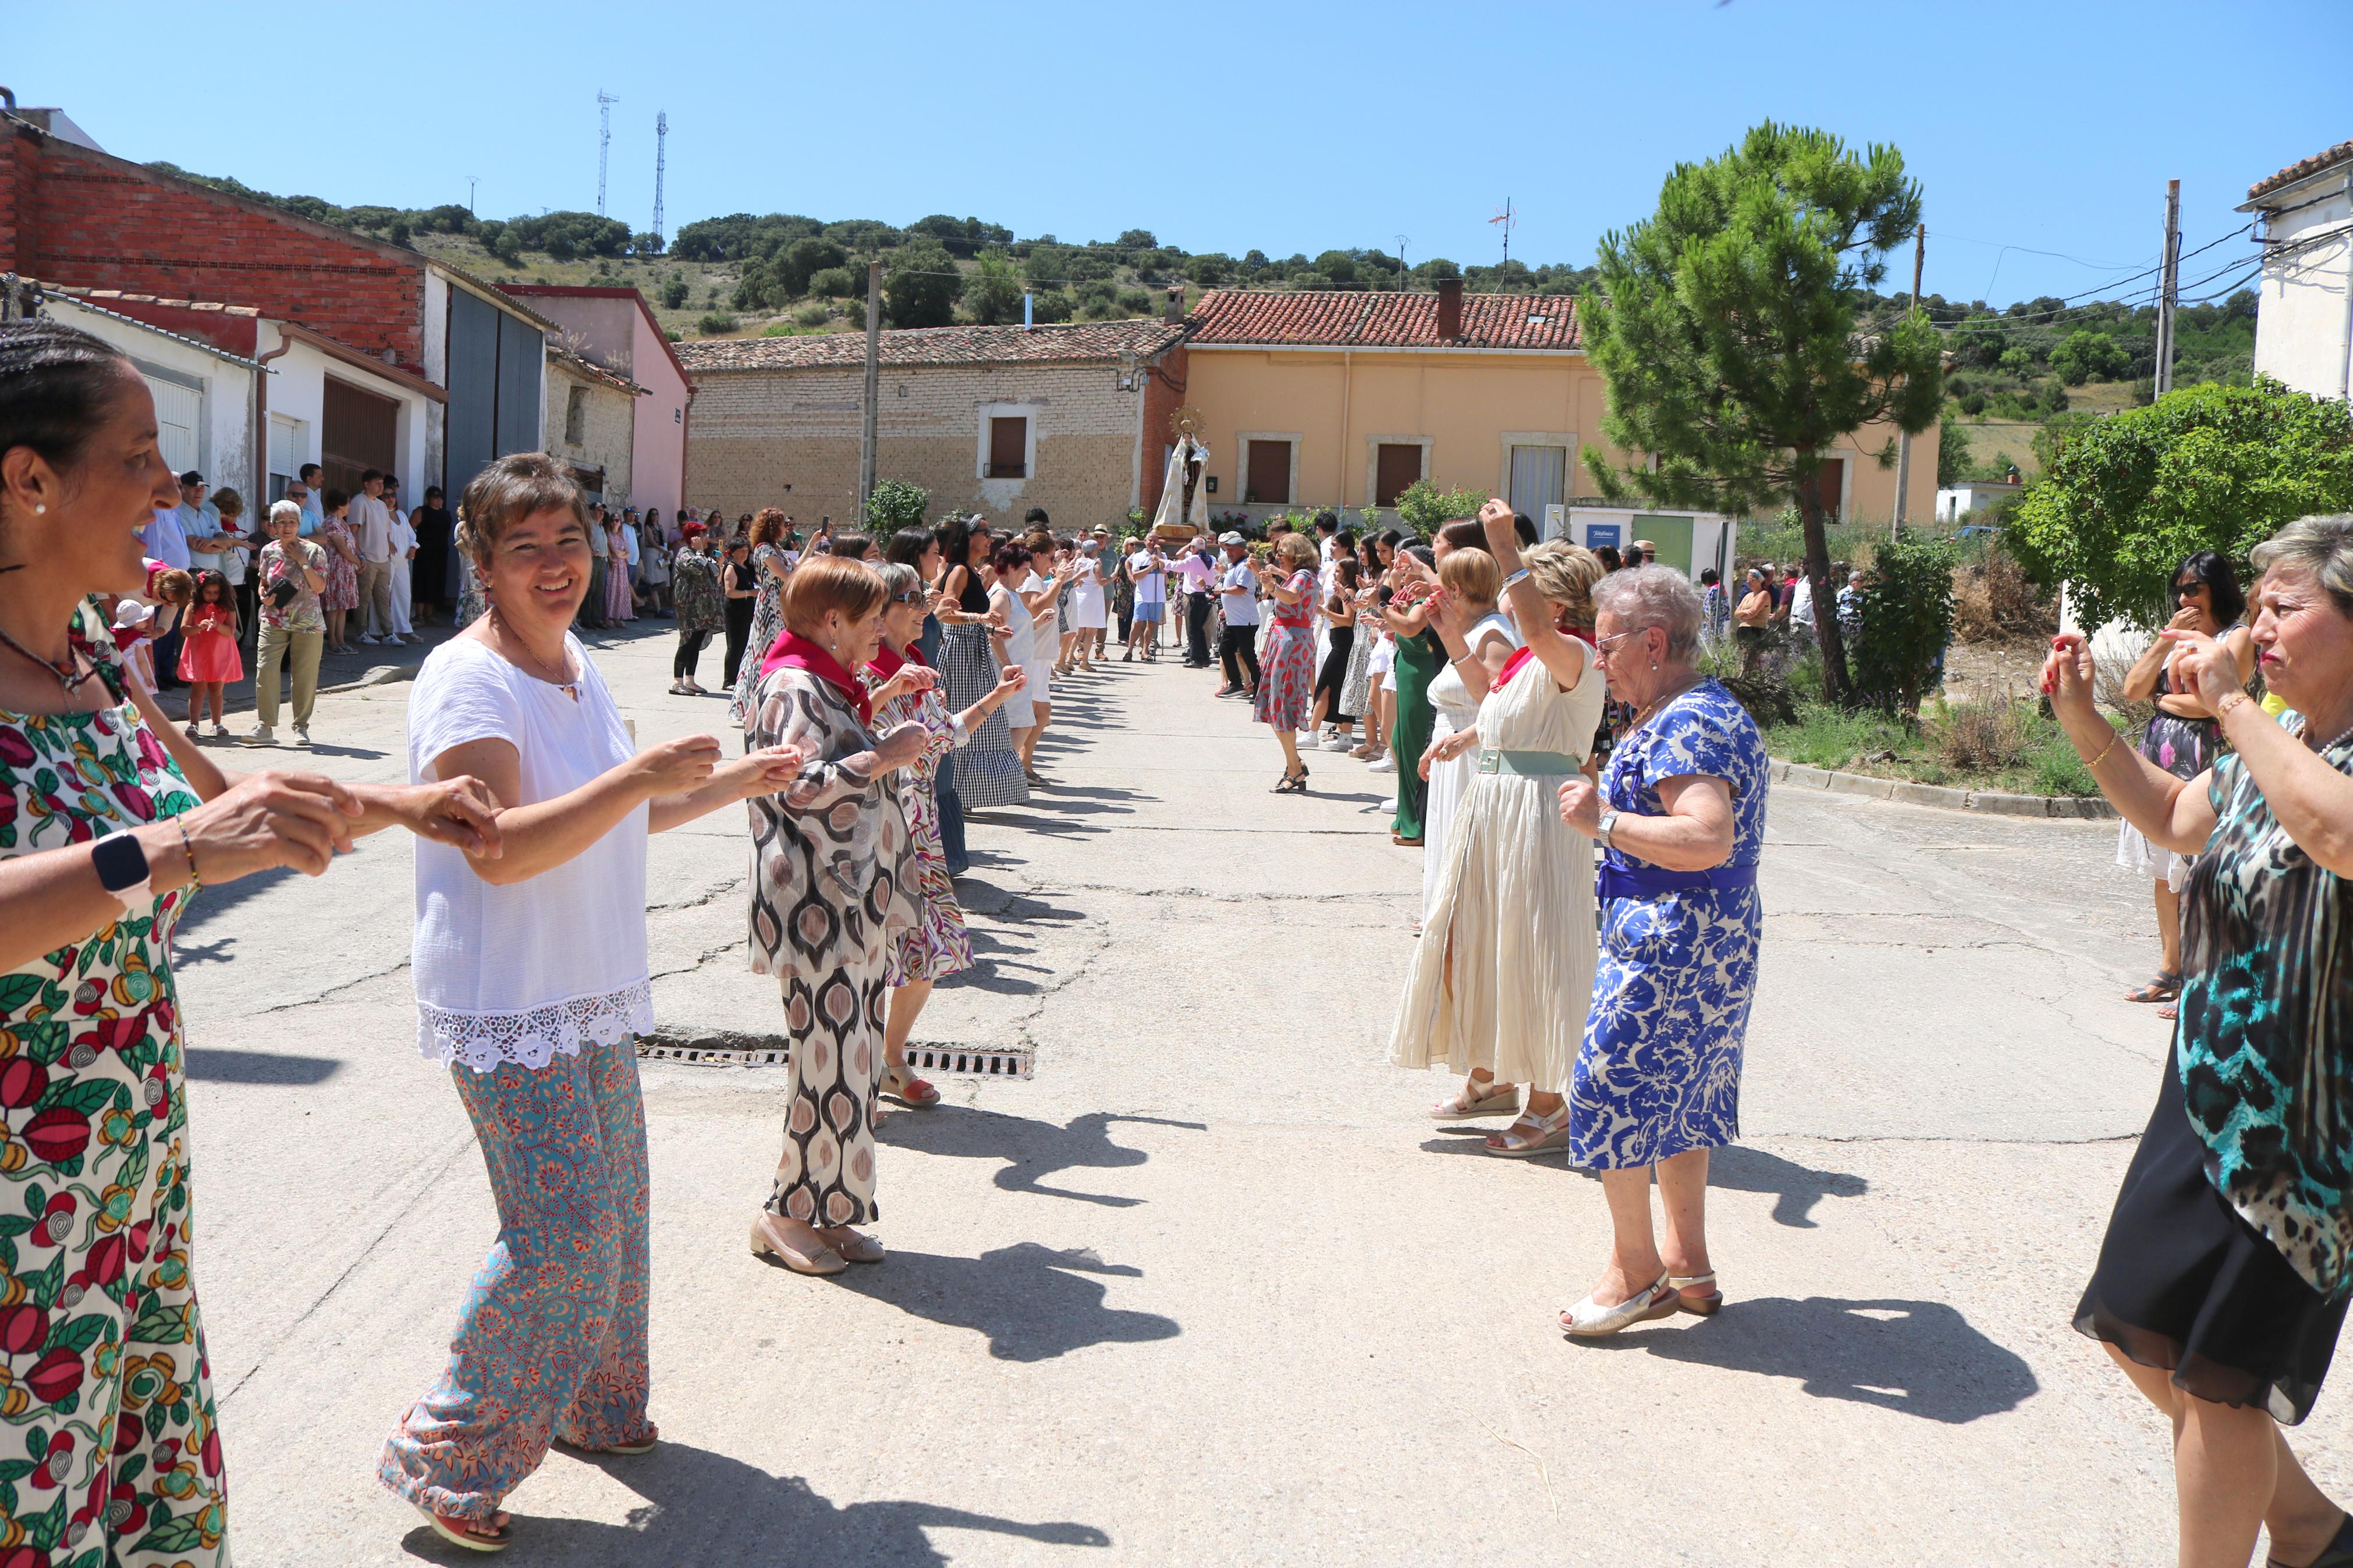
(2183, 738)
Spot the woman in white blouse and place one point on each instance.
(532, 980)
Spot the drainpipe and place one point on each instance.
(1347, 384)
(259, 507)
(2347, 377)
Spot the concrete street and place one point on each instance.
(1212, 1288)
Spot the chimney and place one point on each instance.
(1450, 309)
(1175, 313)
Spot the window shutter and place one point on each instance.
(1395, 467)
(1267, 481)
(1008, 448)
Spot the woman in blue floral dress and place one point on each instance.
(110, 818)
(1680, 818)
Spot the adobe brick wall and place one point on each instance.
(104, 223)
(755, 432)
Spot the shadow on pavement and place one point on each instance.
(1917, 1358)
(208, 907)
(1033, 1302)
(258, 1067)
(705, 1507)
(1796, 1187)
(1032, 1149)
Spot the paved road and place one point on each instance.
(1211, 1288)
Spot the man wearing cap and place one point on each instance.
(1237, 596)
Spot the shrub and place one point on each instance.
(834, 282)
(1423, 507)
(1981, 737)
(715, 323)
(780, 330)
(1907, 619)
(1996, 598)
(813, 315)
(896, 504)
(673, 294)
(1053, 305)
(1135, 301)
(1973, 402)
(923, 286)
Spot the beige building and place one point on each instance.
(988, 419)
(592, 425)
(1343, 399)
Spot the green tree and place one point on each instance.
(1725, 331)
(992, 295)
(1907, 619)
(1952, 450)
(1424, 509)
(673, 292)
(2089, 356)
(2206, 468)
(895, 504)
(921, 286)
(1213, 269)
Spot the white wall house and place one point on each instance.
(203, 395)
(2304, 325)
(1955, 502)
(337, 407)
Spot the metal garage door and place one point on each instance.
(473, 411)
(523, 379)
(179, 415)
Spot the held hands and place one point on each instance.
(271, 820)
(763, 772)
(1580, 807)
(911, 679)
(675, 767)
(2205, 663)
(461, 812)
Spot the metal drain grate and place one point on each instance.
(948, 1060)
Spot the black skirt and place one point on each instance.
(1333, 677)
(2186, 1286)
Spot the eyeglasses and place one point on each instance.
(1601, 645)
(911, 596)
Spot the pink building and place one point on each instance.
(615, 328)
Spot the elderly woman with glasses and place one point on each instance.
(1680, 817)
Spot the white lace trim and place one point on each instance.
(486, 1041)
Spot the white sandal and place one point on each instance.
(1498, 1101)
(1550, 1133)
(1589, 1320)
(1697, 1306)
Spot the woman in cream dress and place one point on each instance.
(1505, 971)
(1478, 642)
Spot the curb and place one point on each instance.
(1941, 796)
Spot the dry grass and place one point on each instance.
(1993, 600)
(1982, 737)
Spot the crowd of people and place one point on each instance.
(1589, 803)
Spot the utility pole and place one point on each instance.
(471, 181)
(873, 382)
(1401, 240)
(1903, 438)
(605, 102)
(1507, 220)
(2168, 282)
(661, 153)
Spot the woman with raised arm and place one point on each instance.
(1680, 816)
(2222, 1282)
(1477, 641)
(1414, 663)
(111, 820)
(532, 988)
(1286, 683)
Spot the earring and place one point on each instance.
(40, 511)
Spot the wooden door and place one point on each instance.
(1396, 466)
(356, 433)
(1008, 446)
(1266, 474)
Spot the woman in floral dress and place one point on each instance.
(342, 594)
(829, 896)
(769, 570)
(1286, 683)
(111, 819)
(935, 946)
(702, 605)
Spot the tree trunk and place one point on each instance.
(1836, 686)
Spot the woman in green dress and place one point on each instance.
(1420, 658)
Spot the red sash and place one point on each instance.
(1521, 656)
(793, 652)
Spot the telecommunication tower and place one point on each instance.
(661, 150)
(605, 102)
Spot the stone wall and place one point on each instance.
(608, 430)
(789, 438)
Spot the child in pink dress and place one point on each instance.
(208, 656)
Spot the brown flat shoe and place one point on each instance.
(765, 1244)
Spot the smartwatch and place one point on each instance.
(121, 866)
(1608, 823)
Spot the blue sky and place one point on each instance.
(2046, 127)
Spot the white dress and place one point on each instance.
(1020, 648)
(1455, 712)
(1045, 642)
(1088, 610)
(1514, 902)
(519, 973)
(404, 539)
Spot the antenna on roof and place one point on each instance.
(661, 151)
(1507, 219)
(605, 102)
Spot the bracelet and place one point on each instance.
(1519, 577)
(2115, 738)
(2222, 708)
(187, 847)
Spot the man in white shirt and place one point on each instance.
(1148, 569)
(1801, 604)
(371, 523)
(1238, 593)
(199, 523)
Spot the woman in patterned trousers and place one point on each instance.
(830, 892)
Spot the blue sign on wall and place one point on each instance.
(1597, 534)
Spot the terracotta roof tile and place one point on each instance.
(937, 345)
(2341, 154)
(1351, 319)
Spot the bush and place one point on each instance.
(2089, 356)
(715, 323)
(1053, 305)
(813, 315)
(1135, 301)
(1996, 598)
(834, 282)
(1424, 508)
(992, 295)
(896, 504)
(923, 286)
(1907, 619)
(1981, 737)
(673, 294)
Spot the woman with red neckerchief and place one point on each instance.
(830, 892)
(1504, 970)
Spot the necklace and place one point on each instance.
(508, 633)
(69, 674)
(1660, 700)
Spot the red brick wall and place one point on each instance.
(20, 169)
(107, 224)
(1163, 393)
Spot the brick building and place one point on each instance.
(71, 214)
(614, 328)
(990, 419)
(592, 418)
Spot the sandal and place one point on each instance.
(1403, 842)
(2337, 1553)
(2170, 1012)
(1291, 784)
(1501, 1099)
(2164, 988)
(473, 1534)
(1529, 1136)
(1589, 1320)
(1703, 1306)
(911, 1092)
